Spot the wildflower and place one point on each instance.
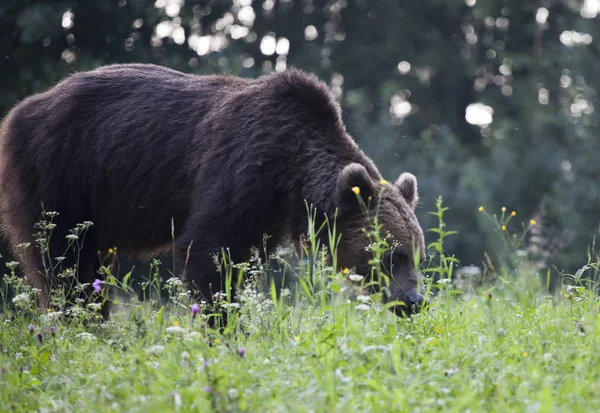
(207, 389)
(503, 209)
(111, 251)
(195, 310)
(176, 323)
(355, 277)
(525, 354)
(52, 331)
(346, 271)
(21, 300)
(11, 265)
(356, 190)
(175, 330)
(297, 338)
(503, 227)
(86, 336)
(217, 341)
(97, 284)
(513, 214)
(174, 282)
(383, 182)
(241, 351)
(31, 328)
(155, 350)
(532, 222)
(481, 209)
(362, 307)
(72, 237)
(40, 337)
(177, 400)
(363, 298)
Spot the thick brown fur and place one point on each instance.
(131, 147)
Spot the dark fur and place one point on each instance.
(229, 159)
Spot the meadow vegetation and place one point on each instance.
(499, 340)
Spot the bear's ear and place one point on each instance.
(354, 180)
(407, 184)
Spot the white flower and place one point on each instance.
(356, 277)
(362, 307)
(72, 237)
(230, 305)
(21, 300)
(174, 282)
(154, 350)
(341, 377)
(95, 306)
(175, 330)
(177, 400)
(86, 336)
(193, 336)
(233, 393)
(363, 298)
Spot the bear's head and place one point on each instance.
(360, 198)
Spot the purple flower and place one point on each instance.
(207, 389)
(40, 337)
(31, 328)
(52, 331)
(241, 351)
(195, 310)
(97, 285)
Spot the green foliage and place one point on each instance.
(326, 347)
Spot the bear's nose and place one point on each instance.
(412, 303)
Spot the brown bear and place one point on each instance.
(134, 148)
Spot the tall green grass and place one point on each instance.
(499, 341)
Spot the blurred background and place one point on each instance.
(488, 102)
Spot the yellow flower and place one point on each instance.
(525, 354)
(356, 190)
(49, 310)
(383, 182)
(513, 214)
(532, 222)
(297, 338)
(111, 251)
(175, 323)
(217, 341)
(503, 209)
(503, 227)
(346, 271)
(481, 209)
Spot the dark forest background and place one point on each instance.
(488, 102)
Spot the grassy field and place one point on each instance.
(505, 346)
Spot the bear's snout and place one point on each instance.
(410, 302)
